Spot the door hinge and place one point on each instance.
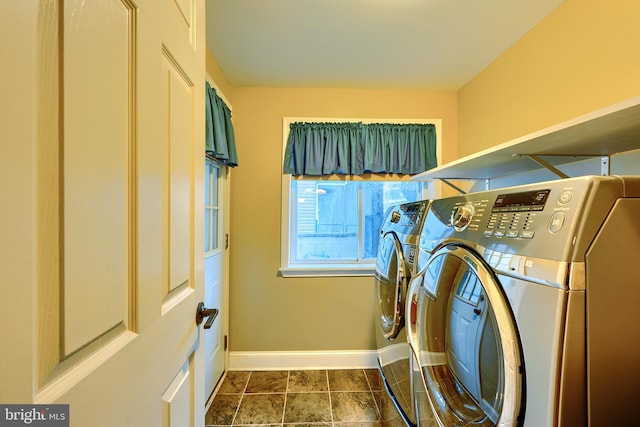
(226, 241)
(225, 343)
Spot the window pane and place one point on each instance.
(207, 230)
(373, 211)
(215, 176)
(214, 234)
(211, 229)
(207, 182)
(377, 198)
(340, 221)
(326, 220)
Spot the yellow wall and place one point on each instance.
(215, 72)
(584, 56)
(271, 313)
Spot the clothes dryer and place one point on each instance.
(395, 264)
(525, 313)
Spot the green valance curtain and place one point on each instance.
(324, 149)
(220, 140)
(357, 148)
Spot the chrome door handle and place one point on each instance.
(210, 313)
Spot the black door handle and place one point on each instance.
(477, 311)
(210, 313)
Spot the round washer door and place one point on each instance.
(465, 339)
(391, 279)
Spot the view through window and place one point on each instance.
(338, 221)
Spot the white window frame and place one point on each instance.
(216, 228)
(322, 269)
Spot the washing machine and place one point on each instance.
(525, 309)
(395, 264)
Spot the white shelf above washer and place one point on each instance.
(602, 133)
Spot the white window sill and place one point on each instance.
(326, 270)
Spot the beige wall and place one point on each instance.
(584, 56)
(215, 72)
(271, 313)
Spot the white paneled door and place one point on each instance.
(103, 237)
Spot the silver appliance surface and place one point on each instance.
(395, 264)
(523, 308)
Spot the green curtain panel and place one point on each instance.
(356, 148)
(324, 149)
(220, 139)
(398, 148)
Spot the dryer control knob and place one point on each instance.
(461, 216)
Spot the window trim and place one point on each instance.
(322, 269)
(215, 164)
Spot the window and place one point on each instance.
(211, 206)
(330, 227)
(339, 221)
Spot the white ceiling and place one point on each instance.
(392, 44)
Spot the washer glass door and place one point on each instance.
(390, 285)
(464, 337)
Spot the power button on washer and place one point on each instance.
(565, 197)
(556, 222)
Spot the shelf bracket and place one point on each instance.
(604, 162)
(605, 166)
(487, 184)
(546, 165)
(455, 187)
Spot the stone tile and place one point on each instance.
(261, 425)
(354, 407)
(303, 381)
(373, 424)
(267, 382)
(307, 408)
(260, 409)
(348, 380)
(375, 379)
(234, 382)
(222, 409)
(304, 398)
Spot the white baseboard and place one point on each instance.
(290, 360)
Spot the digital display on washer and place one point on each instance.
(524, 201)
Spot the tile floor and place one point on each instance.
(319, 398)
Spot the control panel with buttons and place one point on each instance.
(507, 218)
(555, 220)
(406, 218)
